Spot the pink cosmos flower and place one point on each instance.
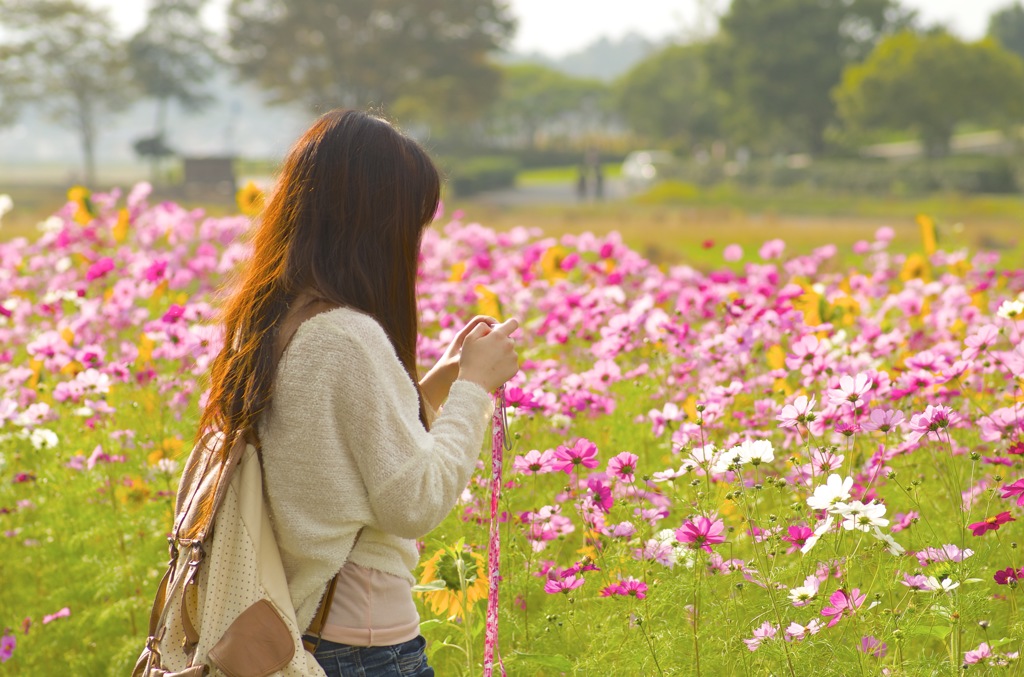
(901, 521)
(623, 466)
(772, 249)
(979, 342)
(581, 454)
(7, 645)
(978, 655)
(1015, 489)
(990, 523)
(634, 588)
(873, 647)
(851, 390)
(701, 532)
(916, 582)
(801, 411)
(843, 604)
(535, 462)
(732, 252)
(63, 613)
(930, 422)
(797, 632)
(947, 553)
(100, 268)
(883, 420)
(765, 632)
(563, 585)
(807, 350)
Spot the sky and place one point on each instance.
(558, 27)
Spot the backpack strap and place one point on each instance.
(316, 626)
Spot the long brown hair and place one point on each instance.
(344, 221)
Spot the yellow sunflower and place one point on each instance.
(250, 199)
(551, 264)
(447, 587)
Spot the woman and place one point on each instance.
(357, 463)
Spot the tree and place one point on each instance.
(425, 59)
(897, 87)
(670, 96)
(172, 58)
(534, 97)
(61, 56)
(1007, 26)
(780, 60)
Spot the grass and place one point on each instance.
(568, 174)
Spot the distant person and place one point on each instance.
(592, 165)
(581, 182)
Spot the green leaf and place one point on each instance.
(432, 586)
(936, 631)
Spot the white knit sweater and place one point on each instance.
(343, 448)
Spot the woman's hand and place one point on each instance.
(436, 383)
(489, 356)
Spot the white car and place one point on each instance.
(642, 168)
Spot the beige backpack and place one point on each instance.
(223, 606)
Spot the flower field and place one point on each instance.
(779, 466)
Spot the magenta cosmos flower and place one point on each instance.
(990, 524)
(701, 532)
(1015, 489)
(582, 453)
(623, 466)
(843, 604)
(1008, 576)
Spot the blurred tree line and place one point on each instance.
(776, 76)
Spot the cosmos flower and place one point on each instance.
(701, 532)
(990, 523)
(842, 603)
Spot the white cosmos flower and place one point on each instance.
(1011, 310)
(726, 460)
(6, 205)
(835, 490)
(755, 452)
(42, 438)
(703, 455)
(857, 515)
(891, 545)
(803, 594)
(944, 585)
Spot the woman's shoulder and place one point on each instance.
(341, 328)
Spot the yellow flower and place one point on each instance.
(85, 210)
(915, 266)
(929, 235)
(443, 567)
(458, 270)
(551, 264)
(170, 448)
(133, 491)
(250, 199)
(775, 356)
(120, 229)
(488, 303)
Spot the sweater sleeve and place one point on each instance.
(413, 477)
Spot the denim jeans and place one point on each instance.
(401, 660)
